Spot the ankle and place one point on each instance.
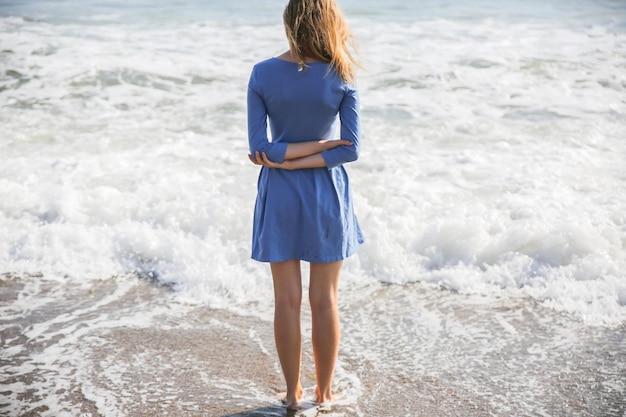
(296, 395)
(323, 397)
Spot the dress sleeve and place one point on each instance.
(257, 124)
(350, 130)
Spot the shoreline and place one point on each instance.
(141, 353)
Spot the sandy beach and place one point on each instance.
(82, 356)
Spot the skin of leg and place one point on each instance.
(287, 279)
(323, 293)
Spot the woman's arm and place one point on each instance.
(257, 127)
(310, 161)
(349, 115)
(302, 149)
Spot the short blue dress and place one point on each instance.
(304, 214)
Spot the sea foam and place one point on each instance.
(492, 159)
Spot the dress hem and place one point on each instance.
(305, 258)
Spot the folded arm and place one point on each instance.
(257, 130)
(349, 117)
(310, 161)
(302, 149)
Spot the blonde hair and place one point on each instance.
(317, 29)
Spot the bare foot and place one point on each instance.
(293, 403)
(290, 405)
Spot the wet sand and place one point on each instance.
(126, 347)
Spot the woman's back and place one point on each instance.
(301, 105)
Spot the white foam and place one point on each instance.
(492, 156)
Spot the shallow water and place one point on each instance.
(124, 346)
(491, 190)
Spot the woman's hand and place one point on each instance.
(261, 159)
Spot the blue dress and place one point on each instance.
(304, 214)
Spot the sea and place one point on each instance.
(491, 190)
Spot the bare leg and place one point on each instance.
(287, 301)
(326, 329)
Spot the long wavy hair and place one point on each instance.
(317, 30)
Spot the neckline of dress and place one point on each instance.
(292, 62)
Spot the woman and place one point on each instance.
(303, 208)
